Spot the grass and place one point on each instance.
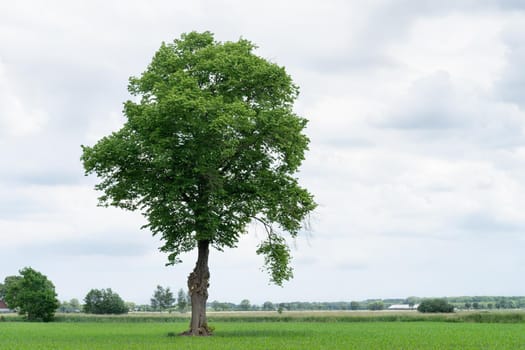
(269, 330)
(504, 316)
(264, 335)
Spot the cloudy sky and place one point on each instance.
(417, 155)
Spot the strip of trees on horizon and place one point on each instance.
(106, 301)
(182, 304)
(463, 303)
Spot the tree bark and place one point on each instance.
(198, 283)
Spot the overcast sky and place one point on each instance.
(417, 154)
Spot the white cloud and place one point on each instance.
(512, 81)
(468, 48)
(17, 116)
(417, 156)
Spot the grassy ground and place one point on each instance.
(263, 335)
(503, 316)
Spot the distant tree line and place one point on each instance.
(33, 295)
(475, 302)
(488, 302)
(164, 300)
(245, 305)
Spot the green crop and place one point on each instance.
(264, 335)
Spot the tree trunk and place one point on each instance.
(198, 283)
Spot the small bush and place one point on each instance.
(435, 305)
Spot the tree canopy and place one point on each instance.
(210, 144)
(182, 300)
(435, 305)
(32, 294)
(104, 301)
(162, 298)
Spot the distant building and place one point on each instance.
(3, 307)
(403, 307)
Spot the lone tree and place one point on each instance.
(435, 305)
(162, 299)
(32, 294)
(104, 301)
(211, 146)
(182, 301)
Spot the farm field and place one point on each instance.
(263, 335)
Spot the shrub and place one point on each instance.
(435, 305)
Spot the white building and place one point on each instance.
(403, 307)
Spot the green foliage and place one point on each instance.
(70, 306)
(435, 305)
(488, 302)
(363, 305)
(182, 300)
(276, 258)
(268, 306)
(11, 283)
(75, 304)
(218, 306)
(130, 305)
(211, 146)
(104, 301)
(162, 299)
(2, 291)
(411, 301)
(245, 305)
(32, 294)
(354, 305)
(376, 305)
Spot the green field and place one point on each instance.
(263, 335)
